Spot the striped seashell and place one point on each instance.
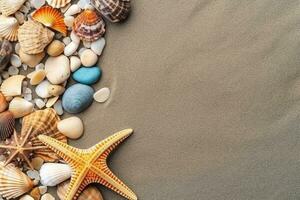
(12, 86)
(9, 7)
(7, 125)
(9, 28)
(53, 174)
(33, 37)
(89, 26)
(6, 49)
(58, 3)
(13, 182)
(113, 10)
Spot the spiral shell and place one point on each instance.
(9, 7)
(53, 174)
(5, 53)
(58, 3)
(33, 37)
(89, 26)
(9, 28)
(7, 125)
(113, 10)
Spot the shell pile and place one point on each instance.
(43, 44)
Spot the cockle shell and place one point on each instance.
(3, 103)
(58, 3)
(51, 18)
(7, 125)
(20, 107)
(89, 26)
(33, 37)
(9, 28)
(12, 86)
(113, 10)
(9, 7)
(13, 182)
(42, 122)
(5, 53)
(53, 174)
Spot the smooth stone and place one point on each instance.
(73, 10)
(37, 3)
(56, 90)
(87, 76)
(71, 48)
(88, 58)
(47, 196)
(69, 20)
(102, 95)
(75, 38)
(98, 46)
(71, 127)
(83, 3)
(75, 63)
(42, 89)
(15, 60)
(58, 107)
(55, 48)
(77, 98)
(57, 69)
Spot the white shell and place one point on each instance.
(9, 28)
(54, 173)
(20, 107)
(58, 3)
(83, 3)
(57, 69)
(71, 48)
(71, 127)
(98, 46)
(75, 63)
(102, 95)
(73, 10)
(88, 58)
(42, 89)
(12, 86)
(8, 7)
(51, 101)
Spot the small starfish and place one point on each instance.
(89, 165)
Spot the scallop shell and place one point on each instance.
(58, 3)
(6, 49)
(53, 174)
(13, 182)
(89, 26)
(7, 125)
(12, 86)
(33, 37)
(9, 28)
(9, 7)
(42, 122)
(20, 107)
(51, 18)
(113, 10)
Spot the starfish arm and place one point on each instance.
(8, 147)
(77, 185)
(11, 157)
(27, 161)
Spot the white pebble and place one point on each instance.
(33, 174)
(98, 46)
(39, 103)
(40, 66)
(5, 75)
(102, 95)
(87, 44)
(69, 20)
(15, 60)
(81, 51)
(74, 37)
(28, 97)
(25, 67)
(75, 63)
(58, 107)
(37, 3)
(71, 48)
(88, 58)
(83, 3)
(67, 40)
(73, 10)
(12, 70)
(47, 196)
(43, 189)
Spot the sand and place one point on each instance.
(211, 89)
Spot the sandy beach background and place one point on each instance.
(212, 90)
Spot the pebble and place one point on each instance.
(27, 197)
(83, 3)
(56, 90)
(28, 97)
(87, 76)
(67, 40)
(102, 95)
(57, 69)
(47, 196)
(15, 60)
(43, 189)
(75, 63)
(12, 70)
(58, 107)
(98, 46)
(71, 127)
(20, 17)
(71, 48)
(55, 48)
(33, 174)
(17, 48)
(88, 58)
(37, 162)
(87, 44)
(74, 37)
(39, 103)
(73, 10)
(42, 89)
(69, 20)
(81, 51)
(37, 3)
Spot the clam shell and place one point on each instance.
(53, 174)
(13, 182)
(51, 18)
(7, 125)
(9, 28)
(33, 37)
(9, 7)
(31, 60)
(113, 10)
(3, 103)
(20, 107)
(42, 122)
(58, 69)
(51, 101)
(58, 3)
(89, 26)
(12, 86)
(5, 53)
(37, 77)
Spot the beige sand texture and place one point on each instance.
(212, 89)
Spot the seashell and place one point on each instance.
(35, 193)
(7, 125)
(33, 37)
(6, 50)
(9, 28)
(13, 181)
(77, 98)
(89, 193)
(113, 10)
(51, 101)
(102, 95)
(82, 3)
(89, 26)
(27, 197)
(73, 10)
(71, 127)
(98, 46)
(55, 48)
(58, 69)
(31, 60)
(9, 7)
(47, 196)
(42, 89)
(88, 58)
(71, 48)
(87, 75)
(53, 174)
(75, 63)
(20, 107)
(37, 77)
(12, 86)
(56, 90)
(74, 37)
(51, 18)
(58, 3)
(37, 3)
(3, 103)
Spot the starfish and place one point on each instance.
(89, 165)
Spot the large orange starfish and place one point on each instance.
(89, 165)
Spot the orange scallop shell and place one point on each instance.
(89, 26)
(51, 18)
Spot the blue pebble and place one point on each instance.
(87, 75)
(77, 98)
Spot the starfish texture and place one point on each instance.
(89, 165)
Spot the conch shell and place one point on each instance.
(13, 182)
(113, 10)
(12, 86)
(89, 26)
(5, 53)
(9, 7)
(58, 3)
(9, 28)
(33, 37)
